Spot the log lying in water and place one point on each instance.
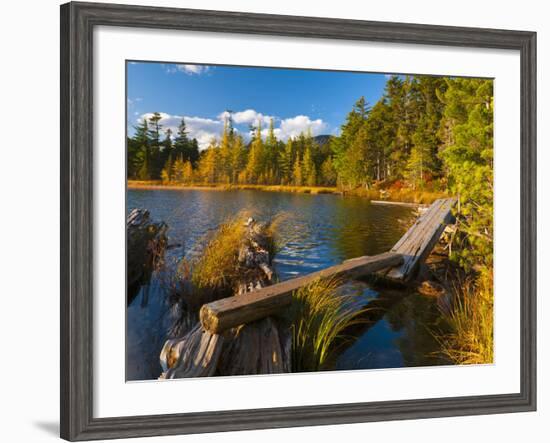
(260, 347)
(146, 243)
(393, 203)
(420, 239)
(233, 311)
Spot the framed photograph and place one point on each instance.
(272, 221)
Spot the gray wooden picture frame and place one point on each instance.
(77, 216)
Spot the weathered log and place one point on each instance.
(392, 203)
(420, 239)
(195, 355)
(146, 243)
(260, 347)
(233, 311)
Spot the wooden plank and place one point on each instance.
(420, 239)
(233, 311)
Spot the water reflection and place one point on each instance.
(321, 230)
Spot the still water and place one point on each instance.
(321, 230)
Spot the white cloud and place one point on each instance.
(187, 69)
(247, 117)
(205, 129)
(292, 127)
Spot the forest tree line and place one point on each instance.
(424, 131)
(405, 136)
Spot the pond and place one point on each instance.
(321, 230)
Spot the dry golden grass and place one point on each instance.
(405, 195)
(471, 322)
(218, 266)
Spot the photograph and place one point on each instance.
(285, 220)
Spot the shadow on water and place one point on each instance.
(322, 230)
(394, 331)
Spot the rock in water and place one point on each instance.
(146, 243)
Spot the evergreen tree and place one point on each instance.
(255, 164)
(309, 173)
(238, 158)
(328, 173)
(209, 164)
(183, 146)
(297, 172)
(155, 157)
(225, 154)
(348, 147)
(286, 162)
(138, 156)
(469, 164)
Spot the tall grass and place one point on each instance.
(471, 322)
(218, 267)
(215, 272)
(319, 317)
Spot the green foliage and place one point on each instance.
(425, 134)
(468, 158)
(309, 173)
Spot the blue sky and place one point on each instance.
(297, 99)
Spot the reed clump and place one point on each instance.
(217, 267)
(320, 315)
(216, 270)
(471, 322)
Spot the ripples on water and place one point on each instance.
(321, 230)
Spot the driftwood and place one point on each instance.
(229, 312)
(392, 203)
(194, 355)
(236, 335)
(420, 239)
(260, 347)
(146, 243)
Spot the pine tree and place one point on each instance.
(225, 154)
(144, 171)
(271, 168)
(309, 173)
(328, 173)
(138, 156)
(168, 170)
(209, 164)
(255, 166)
(238, 159)
(183, 146)
(297, 172)
(155, 158)
(348, 174)
(286, 162)
(469, 164)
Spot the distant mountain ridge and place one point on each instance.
(322, 140)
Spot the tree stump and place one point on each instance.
(260, 347)
(146, 243)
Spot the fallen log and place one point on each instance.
(260, 347)
(394, 203)
(420, 239)
(234, 311)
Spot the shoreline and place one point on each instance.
(405, 196)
